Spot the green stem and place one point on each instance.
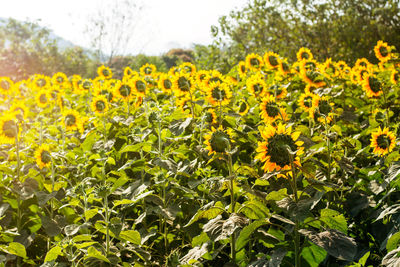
(297, 225)
(231, 182)
(191, 101)
(386, 107)
(19, 211)
(328, 144)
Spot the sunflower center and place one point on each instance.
(383, 141)
(324, 107)
(383, 50)
(167, 84)
(277, 149)
(215, 79)
(257, 88)
(100, 105)
(209, 117)
(305, 55)
(183, 84)
(86, 85)
(272, 109)
(10, 129)
(254, 62)
(308, 101)
(70, 120)
(188, 69)
(125, 90)
(41, 82)
(218, 94)
(106, 72)
(147, 70)
(273, 61)
(45, 157)
(242, 107)
(43, 98)
(285, 67)
(219, 141)
(243, 68)
(5, 85)
(396, 77)
(374, 84)
(310, 65)
(60, 79)
(140, 86)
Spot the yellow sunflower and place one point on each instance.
(306, 101)
(273, 150)
(124, 90)
(362, 62)
(182, 84)
(271, 60)
(256, 85)
(100, 105)
(382, 51)
(243, 107)
(201, 76)
(312, 78)
(71, 120)
(165, 83)
(8, 128)
(40, 82)
(188, 67)
(104, 72)
(322, 109)
(86, 86)
(60, 79)
(383, 141)
(218, 140)
(254, 62)
(128, 72)
(242, 69)
(139, 86)
(329, 69)
(6, 86)
(211, 117)
(395, 76)
(20, 110)
(147, 69)
(43, 157)
(218, 94)
(43, 98)
(213, 76)
(270, 110)
(372, 86)
(76, 80)
(304, 53)
(283, 67)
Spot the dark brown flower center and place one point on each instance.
(70, 120)
(277, 149)
(45, 156)
(383, 141)
(125, 90)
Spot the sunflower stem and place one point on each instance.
(19, 212)
(386, 106)
(328, 144)
(232, 177)
(107, 215)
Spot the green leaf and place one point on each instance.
(94, 253)
(364, 259)
(132, 236)
(50, 226)
(314, 255)
(16, 249)
(53, 253)
(89, 142)
(91, 213)
(277, 195)
(333, 219)
(85, 244)
(110, 161)
(80, 238)
(246, 232)
(254, 210)
(209, 214)
(393, 242)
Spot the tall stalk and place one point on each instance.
(232, 178)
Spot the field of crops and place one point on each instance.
(272, 164)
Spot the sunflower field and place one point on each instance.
(275, 163)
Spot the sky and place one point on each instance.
(161, 24)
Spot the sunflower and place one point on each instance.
(383, 141)
(312, 78)
(243, 107)
(256, 85)
(329, 69)
(8, 128)
(201, 76)
(100, 105)
(188, 67)
(254, 62)
(218, 94)
(310, 88)
(211, 117)
(382, 51)
(165, 83)
(43, 157)
(43, 98)
(283, 67)
(60, 79)
(147, 69)
(273, 151)
(308, 65)
(86, 85)
(182, 84)
(76, 80)
(139, 86)
(242, 69)
(362, 62)
(304, 53)
(20, 110)
(218, 140)
(128, 72)
(270, 111)
(306, 101)
(71, 120)
(213, 76)
(321, 109)
(271, 60)
(6, 86)
(104, 72)
(41, 81)
(395, 76)
(278, 91)
(372, 86)
(124, 90)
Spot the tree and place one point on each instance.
(112, 28)
(340, 29)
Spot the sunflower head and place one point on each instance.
(147, 69)
(59, 79)
(218, 141)
(124, 90)
(9, 129)
(279, 148)
(72, 120)
(256, 85)
(104, 72)
(139, 86)
(43, 98)
(372, 86)
(242, 69)
(382, 51)
(6, 86)
(306, 100)
(271, 60)
(270, 110)
(165, 83)
(283, 67)
(243, 107)
(43, 156)
(182, 84)
(100, 105)
(188, 67)
(383, 141)
(395, 76)
(218, 93)
(322, 109)
(304, 54)
(254, 62)
(211, 117)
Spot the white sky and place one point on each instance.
(165, 23)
